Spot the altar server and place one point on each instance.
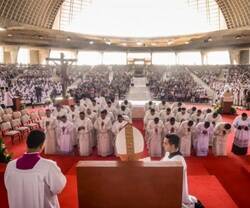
(103, 126)
(32, 181)
(84, 134)
(242, 134)
(221, 132)
(171, 146)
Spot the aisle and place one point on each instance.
(139, 92)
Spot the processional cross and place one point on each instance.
(64, 63)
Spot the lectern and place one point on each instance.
(227, 102)
(114, 184)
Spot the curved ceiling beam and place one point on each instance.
(42, 13)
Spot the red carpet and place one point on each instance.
(216, 181)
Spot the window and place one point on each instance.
(23, 56)
(218, 57)
(162, 58)
(189, 58)
(1, 55)
(140, 18)
(118, 58)
(89, 58)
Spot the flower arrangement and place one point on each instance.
(5, 157)
(219, 109)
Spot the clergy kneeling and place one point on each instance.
(171, 145)
(32, 181)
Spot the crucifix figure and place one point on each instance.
(64, 63)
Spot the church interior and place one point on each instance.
(109, 83)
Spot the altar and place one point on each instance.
(113, 184)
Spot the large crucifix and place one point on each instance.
(64, 63)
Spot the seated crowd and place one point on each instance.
(235, 77)
(175, 84)
(103, 80)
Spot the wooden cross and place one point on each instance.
(64, 63)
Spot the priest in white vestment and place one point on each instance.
(32, 181)
(117, 127)
(127, 104)
(163, 105)
(221, 132)
(165, 115)
(49, 124)
(66, 135)
(197, 117)
(125, 111)
(150, 105)
(59, 112)
(182, 116)
(103, 125)
(242, 134)
(171, 146)
(204, 131)
(73, 114)
(185, 133)
(213, 118)
(84, 128)
(155, 129)
(171, 126)
(92, 116)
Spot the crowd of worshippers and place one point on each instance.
(198, 129)
(110, 83)
(175, 85)
(237, 78)
(34, 84)
(87, 124)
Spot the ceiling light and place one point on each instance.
(2, 29)
(209, 39)
(91, 42)
(139, 43)
(170, 42)
(124, 44)
(153, 44)
(68, 39)
(108, 42)
(10, 35)
(238, 37)
(187, 42)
